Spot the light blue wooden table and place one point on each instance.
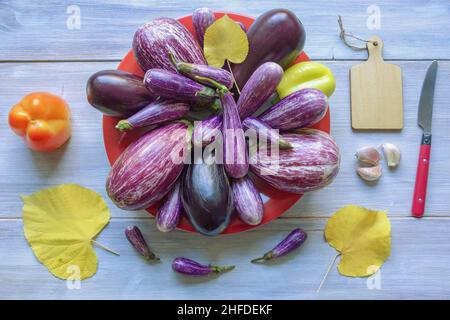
(42, 49)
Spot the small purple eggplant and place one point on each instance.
(156, 112)
(235, 153)
(135, 237)
(171, 85)
(207, 75)
(193, 268)
(259, 88)
(248, 201)
(265, 132)
(202, 18)
(169, 212)
(205, 131)
(294, 240)
(300, 109)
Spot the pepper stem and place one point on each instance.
(217, 269)
(124, 125)
(265, 257)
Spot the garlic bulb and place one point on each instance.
(370, 173)
(392, 154)
(368, 156)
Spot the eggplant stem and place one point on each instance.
(265, 257)
(104, 247)
(234, 79)
(217, 269)
(220, 87)
(284, 144)
(328, 271)
(124, 125)
(173, 60)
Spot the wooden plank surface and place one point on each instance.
(30, 30)
(39, 52)
(417, 268)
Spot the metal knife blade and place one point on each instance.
(425, 114)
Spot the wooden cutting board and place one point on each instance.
(376, 91)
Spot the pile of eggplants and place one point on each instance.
(200, 170)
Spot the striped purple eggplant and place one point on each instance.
(153, 42)
(265, 133)
(311, 164)
(259, 88)
(149, 167)
(156, 112)
(171, 85)
(294, 240)
(169, 212)
(206, 195)
(202, 18)
(135, 237)
(235, 153)
(248, 201)
(300, 109)
(193, 268)
(205, 131)
(207, 75)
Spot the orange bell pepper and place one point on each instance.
(42, 119)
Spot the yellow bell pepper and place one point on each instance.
(308, 74)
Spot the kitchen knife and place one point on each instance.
(424, 118)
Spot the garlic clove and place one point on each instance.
(368, 156)
(392, 154)
(370, 173)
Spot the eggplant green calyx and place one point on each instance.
(267, 256)
(284, 144)
(220, 88)
(217, 269)
(124, 125)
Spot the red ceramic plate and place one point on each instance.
(276, 202)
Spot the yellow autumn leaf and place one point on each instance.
(60, 224)
(362, 236)
(225, 40)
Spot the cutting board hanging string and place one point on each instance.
(343, 34)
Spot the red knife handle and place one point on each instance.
(420, 188)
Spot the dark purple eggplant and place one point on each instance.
(149, 167)
(294, 240)
(221, 78)
(276, 35)
(206, 196)
(258, 88)
(117, 93)
(169, 212)
(153, 42)
(202, 18)
(300, 109)
(205, 131)
(235, 153)
(248, 201)
(135, 237)
(171, 85)
(156, 112)
(193, 268)
(265, 133)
